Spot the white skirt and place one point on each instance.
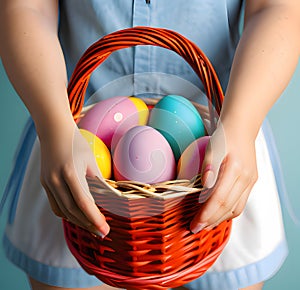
(34, 238)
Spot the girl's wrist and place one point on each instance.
(54, 126)
(239, 128)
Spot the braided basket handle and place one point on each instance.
(101, 50)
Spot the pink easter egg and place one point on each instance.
(111, 118)
(190, 162)
(143, 155)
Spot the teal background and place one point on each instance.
(284, 118)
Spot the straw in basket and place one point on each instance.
(149, 245)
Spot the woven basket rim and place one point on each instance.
(136, 190)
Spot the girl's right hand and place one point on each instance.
(66, 160)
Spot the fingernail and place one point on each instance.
(105, 230)
(196, 229)
(101, 231)
(99, 234)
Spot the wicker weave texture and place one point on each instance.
(141, 250)
(150, 245)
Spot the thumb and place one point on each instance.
(208, 176)
(211, 164)
(93, 169)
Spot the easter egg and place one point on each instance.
(190, 162)
(144, 155)
(106, 117)
(178, 120)
(100, 151)
(142, 109)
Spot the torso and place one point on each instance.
(212, 25)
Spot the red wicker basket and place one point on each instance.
(149, 245)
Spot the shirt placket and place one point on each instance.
(141, 17)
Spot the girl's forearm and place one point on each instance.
(265, 60)
(34, 62)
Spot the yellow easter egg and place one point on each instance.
(142, 109)
(100, 151)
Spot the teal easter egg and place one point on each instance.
(177, 119)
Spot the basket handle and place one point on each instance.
(141, 35)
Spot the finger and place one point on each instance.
(204, 195)
(236, 211)
(240, 192)
(242, 202)
(59, 210)
(212, 163)
(62, 196)
(220, 200)
(53, 204)
(93, 169)
(84, 200)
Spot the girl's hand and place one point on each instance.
(66, 160)
(229, 172)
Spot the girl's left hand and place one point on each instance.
(229, 172)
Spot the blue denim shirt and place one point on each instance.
(212, 25)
